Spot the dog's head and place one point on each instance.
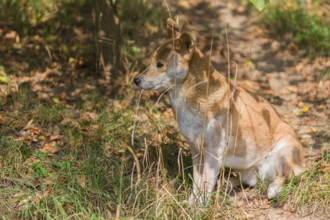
(169, 63)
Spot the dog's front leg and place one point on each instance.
(205, 174)
(212, 163)
(197, 175)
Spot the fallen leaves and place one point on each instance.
(41, 139)
(88, 116)
(324, 168)
(81, 179)
(12, 35)
(304, 108)
(50, 148)
(26, 201)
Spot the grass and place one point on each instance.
(92, 170)
(309, 192)
(92, 173)
(308, 28)
(85, 179)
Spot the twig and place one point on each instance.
(135, 119)
(136, 159)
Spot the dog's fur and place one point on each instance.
(223, 124)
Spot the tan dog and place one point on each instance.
(222, 124)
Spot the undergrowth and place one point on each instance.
(309, 27)
(92, 171)
(309, 192)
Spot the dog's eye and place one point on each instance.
(159, 64)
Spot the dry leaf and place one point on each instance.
(304, 109)
(312, 129)
(88, 116)
(11, 35)
(49, 148)
(28, 125)
(56, 100)
(56, 138)
(184, 4)
(81, 180)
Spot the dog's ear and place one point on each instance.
(186, 45)
(173, 30)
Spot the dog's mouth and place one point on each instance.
(153, 87)
(148, 85)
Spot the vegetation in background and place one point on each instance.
(260, 4)
(308, 24)
(25, 15)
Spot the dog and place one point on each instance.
(224, 125)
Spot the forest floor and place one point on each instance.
(72, 146)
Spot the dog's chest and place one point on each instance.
(191, 122)
(191, 125)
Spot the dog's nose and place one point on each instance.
(137, 80)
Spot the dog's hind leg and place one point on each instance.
(284, 159)
(284, 172)
(275, 187)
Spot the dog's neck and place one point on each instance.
(203, 87)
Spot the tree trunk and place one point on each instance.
(108, 38)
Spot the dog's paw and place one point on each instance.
(273, 191)
(185, 201)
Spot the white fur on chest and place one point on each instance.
(198, 131)
(190, 122)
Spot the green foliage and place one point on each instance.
(139, 18)
(260, 4)
(39, 170)
(308, 30)
(3, 76)
(93, 172)
(25, 13)
(141, 12)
